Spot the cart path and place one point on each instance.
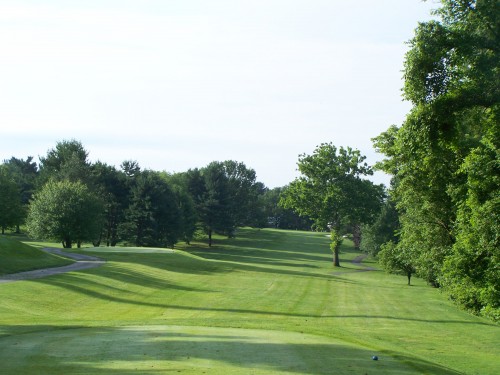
(82, 262)
(356, 261)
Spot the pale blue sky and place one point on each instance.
(176, 84)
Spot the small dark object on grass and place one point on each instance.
(375, 358)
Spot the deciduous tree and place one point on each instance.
(65, 211)
(445, 157)
(331, 190)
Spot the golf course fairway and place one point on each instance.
(265, 302)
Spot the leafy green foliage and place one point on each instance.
(111, 185)
(383, 229)
(471, 274)
(397, 260)
(444, 157)
(279, 217)
(67, 212)
(331, 191)
(25, 173)
(336, 240)
(225, 196)
(11, 210)
(151, 218)
(67, 161)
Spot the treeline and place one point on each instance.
(442, 220)
(66, 198)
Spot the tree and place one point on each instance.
(449, 139)
(67, 161)
(11, 210)
(25, 174)
(152, 217)
(279, 217)
(223, 193)
(214, 204)
(243, 192)
(188, 218)
(112, 186)
(471, 273)
(331, 191)
(396, 260)
(382, 230)
(65, 211)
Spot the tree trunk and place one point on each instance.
(336, 261)
(356, 236)
(210, 238)
(409, 277)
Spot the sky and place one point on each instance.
(176, 84)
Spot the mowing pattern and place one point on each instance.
(267, 302)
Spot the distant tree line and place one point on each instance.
(442, 220)
(67, 198)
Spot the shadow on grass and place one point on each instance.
(284, 249)
(225, 261)
(411, 319)
(159, 349)
(76, 285)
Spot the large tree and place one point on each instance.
(111, 185)
(332, 192)
(65, 211)
(188, 218)
(67, 161)
(25, 174)
(445, 156)
(224, 194)
(153, 217)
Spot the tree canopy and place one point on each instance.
(67, 212)
(332, 192)
(445, 158)
(11, 210)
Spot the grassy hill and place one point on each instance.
(17, 257)
(266, 302)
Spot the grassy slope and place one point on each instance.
(17, 257)
(276, 302)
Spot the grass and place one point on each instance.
(266, 302)
(17, 257)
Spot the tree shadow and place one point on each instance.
(220, 261)
(158, 349)
(439, 321)
(93, 289)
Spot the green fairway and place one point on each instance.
(266, 302)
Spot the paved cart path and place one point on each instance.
(356, 261)
(82, 262)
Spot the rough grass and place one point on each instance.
(267, 302)
(16, 256)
